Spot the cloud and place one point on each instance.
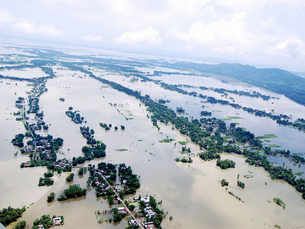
(27, 27)
(292, 47)
(31, 28)
(247, 31)
(93, 38)
(5, 17)
(148, 35)
(226, 31)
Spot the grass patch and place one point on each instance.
(266, 136)
(274, 146)
(229, 118)
(121, 150)
(279, 202)
(299, 173)
(183, 142)
(167, 140)
(226, 138)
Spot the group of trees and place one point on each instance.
(131, 181)
(117, 216)
(18, 140)
(223, 183)
(225, 164)
(20, 225)
(206, 156)
(45, 181)
(74, 191)
(224, 91)
(75, 116)
(46, 221)
(108, 127)
(9, 215)
(51, 197)
(241, 184)
(184, 160)
(70, 177)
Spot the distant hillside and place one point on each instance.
(273, 79)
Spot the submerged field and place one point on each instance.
(191, 193)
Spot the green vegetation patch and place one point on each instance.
(274, 146)
(225, 164)
(46, 221)
(51, 197)
(20, 225)
(266, 136)
(207, 156)
(223, 183)
(229, 118)
(279, 202)
(167, 140)
(299, 173)
(122, 150)
(70, 177)
(9, 215)
(45, 181)
(74, 191)
(183, 142)
(184, 160)
(241, 184)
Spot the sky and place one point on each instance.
(257, 32)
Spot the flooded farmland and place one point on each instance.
(191, 194)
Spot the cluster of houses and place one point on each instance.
(39, 145)
(147, 217)
(20, 102)
(63, 165)
(98, 175)
(56, 221)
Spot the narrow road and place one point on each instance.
(118, 196)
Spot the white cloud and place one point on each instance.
(31, 28)
(148, 35)
(10, 22)
(5, 17)
(93, 38)
(223, 30)
(248, 31)
(292, 47)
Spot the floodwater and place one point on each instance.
(287, 137)
(192, 194)
(26, 73)
(18, 187)
(9, 92)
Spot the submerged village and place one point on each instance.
(216, 163)
(115, 183)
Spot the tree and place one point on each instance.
(224, 183)
(51, 197)
(20, 225)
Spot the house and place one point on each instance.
(133, 222)
(25, 165)
(57, 221)
(145, 199)
(121, 210)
